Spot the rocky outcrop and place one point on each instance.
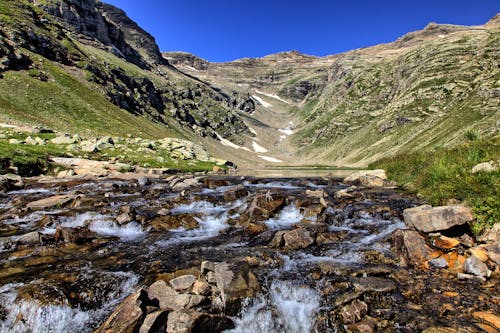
(430, 219)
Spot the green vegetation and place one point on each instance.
(445, 174)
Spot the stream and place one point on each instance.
(132, 233)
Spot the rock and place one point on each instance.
(355, 176)
(373, 284)
(264, 206)
(185, 184)
(126, 317)
(74, 235)
(154, 322)
(492, 235)
(431, 219)
(488, 317)
(169, 222)
(65, 174)
(163, 293)
(207, 266)
(475, 266)
(479, 253)
(142, 181)
(344, 193)
(374, 181)
(182, 321)
(183, 282)
(201, 287)
(15, 141)
(56, 200)
(63, 140)
(438, 263)
(31, 238)
(485, 167)
(415, 246)
(353, 312)
(316, 193)
(235, 193)
(298, 239)
(493, 251)
(235, 282)
(10, 182)
(463, 276)
(368, 325)
(445, 243)
(187, 321)
(278, 240)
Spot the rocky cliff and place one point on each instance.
(108, 64)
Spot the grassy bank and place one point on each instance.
(444, 174)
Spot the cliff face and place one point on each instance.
(106, 53)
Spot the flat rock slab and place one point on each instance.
(431, 219)
(56, 200)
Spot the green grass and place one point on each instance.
(445, 174)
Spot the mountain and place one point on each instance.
(424, 90)
(84, 67)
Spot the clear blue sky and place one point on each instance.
(224, 30)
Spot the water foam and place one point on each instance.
(288, 216)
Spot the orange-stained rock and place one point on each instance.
(479, 253)
(488, 317)
(445, 243)
(455, 261)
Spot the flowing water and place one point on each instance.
(54, 287)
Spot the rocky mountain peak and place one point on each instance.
(494, 22)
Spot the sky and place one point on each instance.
(225, 30)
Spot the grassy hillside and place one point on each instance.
(444, 174)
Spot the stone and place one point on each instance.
(488, 317)
(142, 181)
(431, 219)
(89, 147)
(182, 321)
(15, 141)
(126, 317)
(445, 243)
(154, 322)
(207, 266)
(480, 253)
(492, 235)
(169, 222)
(235, 282)
(65, 173)
(358, 174)
(298, 239)
(475, 266)
(438, 263)
(235, 193)
(493, 251)
(56, 200)
(163, 293)
(415, 246)
(278, 240)
(74, 235)
(485, 167)
(374, 181)
(353, 312)
(183, 282)
(185, 184)
(31, 238)
(63, 140)
(316, 193)
(263, 206)
(463, 276)
(9, 182)
(201, 287)
(124, 218)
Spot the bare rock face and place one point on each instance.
(411, 246)
(431, 219)
(183, 282)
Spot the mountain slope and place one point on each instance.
(422, 91)
(85, 66)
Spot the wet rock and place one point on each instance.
(10, 182)
(54, 201)
(367, 325)
(298, 239)
(475, 266)
(235, 193)
(235, 282)
(463, 276)
(142, 181)
(214, 182)
(31, 238)
(263, 206)
(154, 322)
(169, 222)
(373, 284)
(127, 316)
(445, 243)
(186, 184)
(438, 263)
(124, 218)
(74, 235)
(278, 240)
(207, 266)
(183, 282)
(316, 193)
(353, 312)
(431, 219)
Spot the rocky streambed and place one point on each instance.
(237, 254)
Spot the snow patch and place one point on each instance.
(261, 101)
(258, 148)
(228, 143)
(272, 96)
(270, 159)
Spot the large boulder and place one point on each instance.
(188, 321)
(431, 219)
(56, 200)
(9, 182)
(411, 247)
